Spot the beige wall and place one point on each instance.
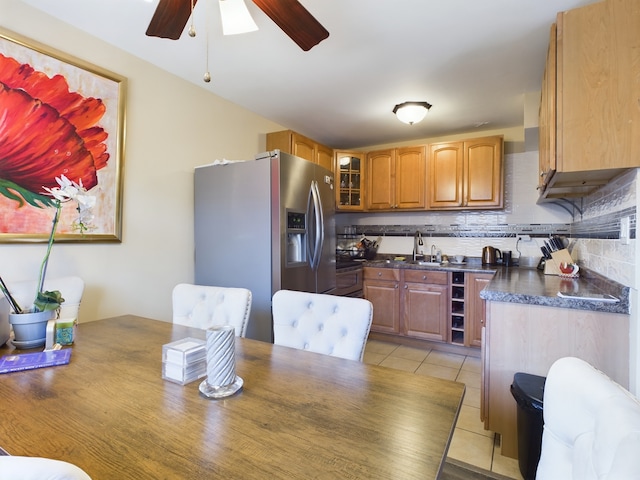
(171, 126)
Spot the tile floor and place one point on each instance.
(471, 443)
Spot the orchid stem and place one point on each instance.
(45, 260)
(12, 301)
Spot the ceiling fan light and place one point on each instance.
(411, 112)
(236, 17)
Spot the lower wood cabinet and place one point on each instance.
(475, 307)
(529, 338)
(435, 305)
(412, 303)
(382, 288)
(424, 304)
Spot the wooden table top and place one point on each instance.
(299, 414)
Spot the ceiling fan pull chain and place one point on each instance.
(192, 28)
(207, 74)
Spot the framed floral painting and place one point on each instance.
(60, 117)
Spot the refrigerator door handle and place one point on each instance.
(315, 228)
(319, 225)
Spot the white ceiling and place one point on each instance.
(473, 60)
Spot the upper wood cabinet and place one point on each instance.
(597, 99)
(296, 144)
(467, 174)
(547, 115)
(324, 156)
(396, 179)
(349, 168)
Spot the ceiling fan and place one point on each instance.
(171, 16)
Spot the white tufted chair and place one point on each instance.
(38, 468)
(204, 306)
(328, 324)
(591, 426)
(71, 288)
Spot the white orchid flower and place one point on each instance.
(86, 201)
(69, 190)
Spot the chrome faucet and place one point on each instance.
(417, 240)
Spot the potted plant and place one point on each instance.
(29, 326)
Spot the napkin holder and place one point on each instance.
(552, 265)
(184, 361)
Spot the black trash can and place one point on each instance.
(528, 391)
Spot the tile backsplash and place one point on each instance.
(592, 223)
(596, 236)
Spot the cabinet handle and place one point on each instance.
(405, 287)
(424, 277)
(396, 286)
(379, 274)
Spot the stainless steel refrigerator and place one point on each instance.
(265, 224)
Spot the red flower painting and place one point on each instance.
(46, 131)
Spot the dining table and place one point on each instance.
(298, 415)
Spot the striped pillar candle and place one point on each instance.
(221, 359)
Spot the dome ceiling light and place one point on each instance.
(411, 112)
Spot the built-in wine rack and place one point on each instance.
(457, 308)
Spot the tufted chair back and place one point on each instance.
(38, 468)
(203, 306)
(328, 324)
(71, 288)
(591, 425)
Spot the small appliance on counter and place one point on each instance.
(491, 256)
(507, 259)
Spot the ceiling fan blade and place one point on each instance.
(295, 21)
(170, 18)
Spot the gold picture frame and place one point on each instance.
(59, 115)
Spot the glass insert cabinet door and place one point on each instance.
(349, 168)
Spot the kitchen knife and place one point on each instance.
(545, 252)
(549, 247)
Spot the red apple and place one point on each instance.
(567, 268)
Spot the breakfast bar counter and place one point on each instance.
(531, 286)
(528, 327)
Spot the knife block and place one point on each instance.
(552, 266)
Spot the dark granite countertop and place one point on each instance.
(531, 286)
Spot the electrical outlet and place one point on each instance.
(625, 227)
(524, 238)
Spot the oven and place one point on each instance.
(349, 279)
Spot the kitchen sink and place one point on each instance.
(422, 263)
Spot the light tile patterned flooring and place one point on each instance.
(471, 443)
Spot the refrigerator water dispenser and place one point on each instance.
(296, 232)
